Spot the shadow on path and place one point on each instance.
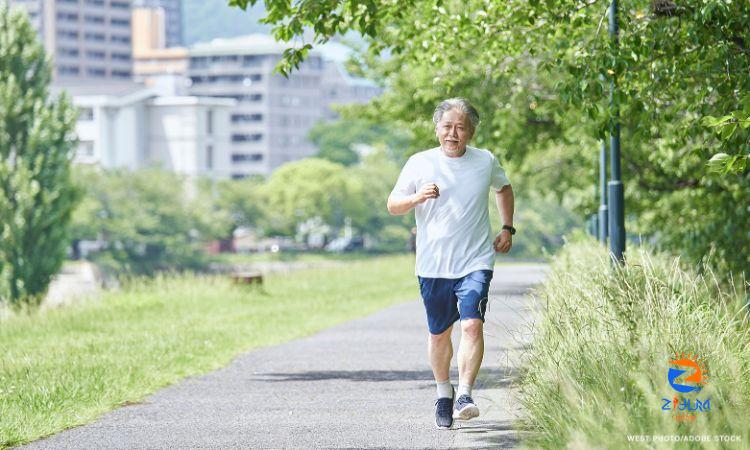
(500, 377)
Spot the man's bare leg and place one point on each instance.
(440, 349)
(470, 354)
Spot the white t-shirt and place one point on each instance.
(454, 236)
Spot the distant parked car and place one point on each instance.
(345, 244)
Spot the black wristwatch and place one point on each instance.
(510, 228)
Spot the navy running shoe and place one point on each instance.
(443, 407)
(465, 408)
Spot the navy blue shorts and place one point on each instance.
(448, 299)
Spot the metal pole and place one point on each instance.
(603, 212)
(616, 194)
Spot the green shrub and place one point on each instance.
(597, 369)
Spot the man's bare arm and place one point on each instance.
(399, 206)
(504, 239)
(402, 205)
(505, 204)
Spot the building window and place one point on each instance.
(210, 122)
(120, 39)
(244, 118)
(96, 72)
(69, 52)
(85, 113)
(95, 2)
(68, 70)
(249, 98)
(199, 62)
(224, 58)
(121, 73)
(247, 157)
(121, 56)
(290, 100)
(96, 54)
(70, 34)
(120, 5)
(93, 19)
(94, 37)
(119, 22)
(238, 176)
(86, 148)
(247, 137)
(70, 17)
(252, 60)
(210, 157)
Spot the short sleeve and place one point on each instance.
(498, 178)
(406, 184)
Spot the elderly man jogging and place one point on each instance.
(448, 188)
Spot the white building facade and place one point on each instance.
(133, 127)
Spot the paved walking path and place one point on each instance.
(363, 384)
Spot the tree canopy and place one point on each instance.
(540, 73)
(37, 194)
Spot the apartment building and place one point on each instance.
(88, 39)
(273, 114)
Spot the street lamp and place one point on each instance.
(603, 229)
(616, 195)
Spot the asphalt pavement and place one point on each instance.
(362, 384)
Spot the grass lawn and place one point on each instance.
(67, 367)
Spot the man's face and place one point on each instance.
(454, 131)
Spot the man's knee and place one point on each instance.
(442, 338)
(472, 328)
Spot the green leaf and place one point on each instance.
(728, 130)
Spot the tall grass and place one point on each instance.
(62, 368)
(597, 369)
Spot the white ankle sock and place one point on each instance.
(464, 389)
(444, 389)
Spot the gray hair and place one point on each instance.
(460, 104)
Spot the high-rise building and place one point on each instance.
(87, 39)
(273, 114)
(153, 62)
(172, 18)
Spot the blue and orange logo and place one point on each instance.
(696, 378)
(699, 375)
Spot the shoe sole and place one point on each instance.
(467, 413)
(443, 428)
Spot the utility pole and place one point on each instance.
(616, 194)
(603, 228)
